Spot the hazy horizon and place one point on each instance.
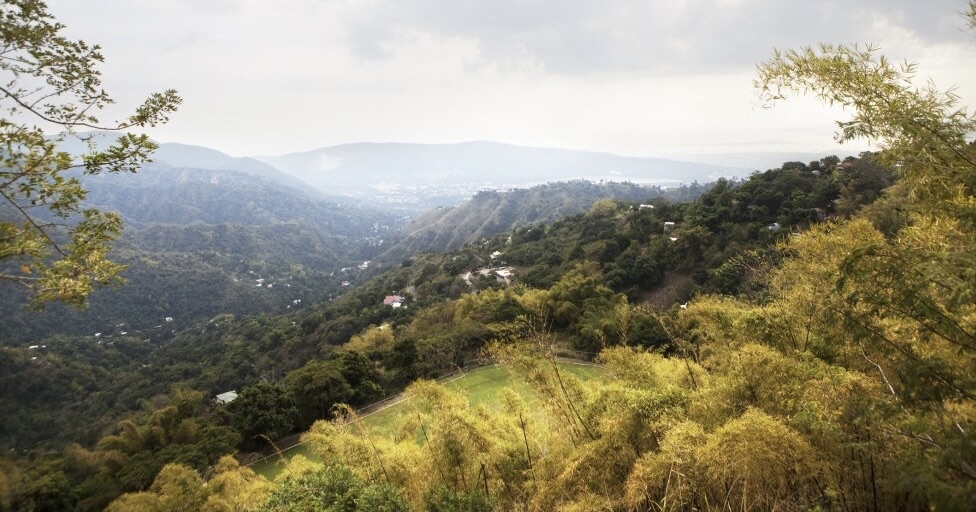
(625, 77)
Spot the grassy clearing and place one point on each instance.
(482, 387)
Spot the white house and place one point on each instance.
(228, 397)
(504, 275)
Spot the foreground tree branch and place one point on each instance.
(50, 84)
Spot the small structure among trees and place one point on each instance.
(226, 397)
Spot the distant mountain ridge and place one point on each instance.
(186, 156)
(162, 194)
(199, 157)
(410, 178)
(453, 172)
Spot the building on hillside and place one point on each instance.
(226, 398)
(504, 275)
(394, 301)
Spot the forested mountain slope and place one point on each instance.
(818, 355)
(199, 242)
(490, 213)
(182, 156)
(583, 279)
(198, 157)
(165, 194)
(842, 381)
(628, 244)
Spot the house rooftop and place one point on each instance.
(227, 397)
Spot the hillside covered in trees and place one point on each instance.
(198, 242)
(801, 339)
(609, 277)
(491, 213)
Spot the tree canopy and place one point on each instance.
(49, 242)
(841, 379)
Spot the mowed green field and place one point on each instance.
(482, 386)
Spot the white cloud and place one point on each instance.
(628, 76)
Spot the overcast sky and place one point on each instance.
(633, 77)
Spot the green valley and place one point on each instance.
(796, 338)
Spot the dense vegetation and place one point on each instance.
(198, 242)
(589, 281)
(491, 213)
(821, 357)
